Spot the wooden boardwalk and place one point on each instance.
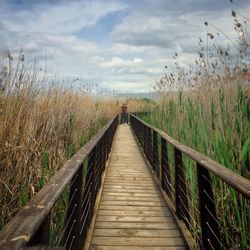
(116, 202)
(132, 213)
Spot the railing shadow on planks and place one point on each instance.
(191, 182)
(60, 214)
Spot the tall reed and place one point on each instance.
(207, 107)
(41, 126)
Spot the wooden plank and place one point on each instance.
(137, 241)
(132, 194)
(135, 203)
(129, 178)
(129, 171)
(133, 208)
(99, 247)
(136, 233)
(142, 185)
(129, 165)
(125, 190)
(159, 219)
(135, 225)
(134, 212)
(130, 198)
(115, 170)
(134, 187)
(123, 183)
(130, 182)
(125, 164)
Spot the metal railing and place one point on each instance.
(60, 214)
(193, 183)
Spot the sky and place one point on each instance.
(118, 44)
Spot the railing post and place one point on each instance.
(139, 129)
(165, 171)
(144, 139)
(109, 140)
(106, 146)
(87, 195)
(181, 198)
(141, 133)
(73, 217)
(155, 153)
(42, 235)
(149, 146)
(104, 151)
(93, 180)
(99, 167)
(208, 218)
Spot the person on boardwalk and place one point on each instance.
(124, 114)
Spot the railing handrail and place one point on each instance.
(191, 189)
(38, 208)
(233, 179)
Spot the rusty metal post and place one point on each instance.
(181, 196)
(208, 218)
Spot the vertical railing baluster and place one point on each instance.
(100, 167)
(144, 139)
(140, 133)
(103, 153)
(72, 232)
(155, 153)
(150, 146)
(164, 162)
(42, 235)
(181, 196)
(109, 139)
(208, 218)
(106, 145)
(92, 183)
(165, 171)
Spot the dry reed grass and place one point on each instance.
(41, 126)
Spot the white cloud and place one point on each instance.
(140, 40)
(65, 18)
(117, 62)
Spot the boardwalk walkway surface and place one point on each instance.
(132, 213)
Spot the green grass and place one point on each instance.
(219, 127)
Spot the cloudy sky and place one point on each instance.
(120, 44)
